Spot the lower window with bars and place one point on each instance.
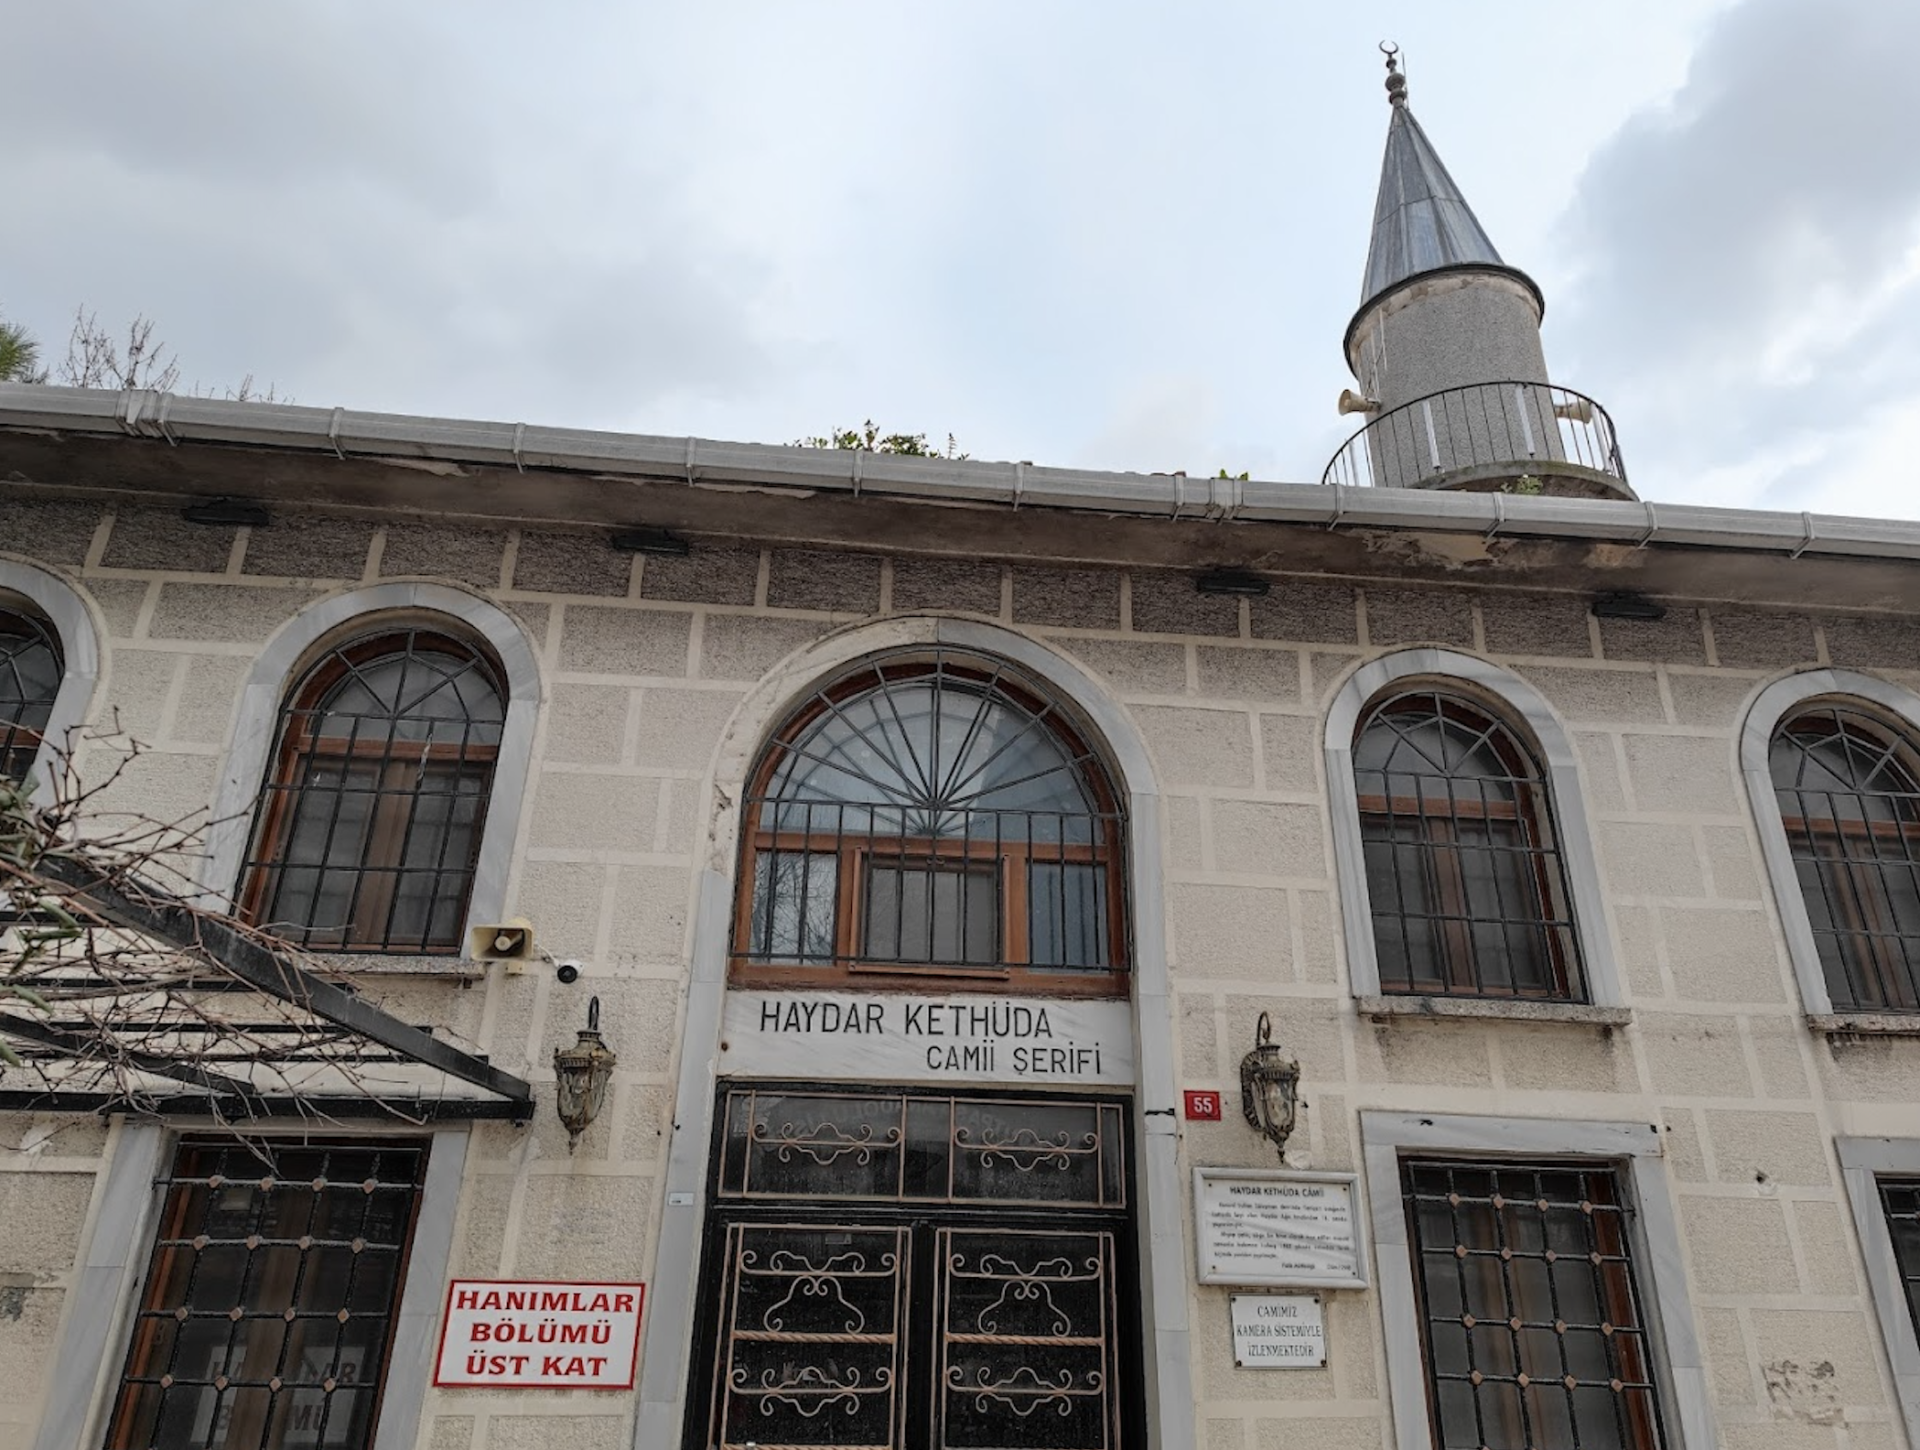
(1531, 1315)
(1900, 1199)
(268, 1306)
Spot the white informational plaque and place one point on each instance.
(1278, 1230)
(1278, 1331)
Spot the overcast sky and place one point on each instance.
(1087, 232)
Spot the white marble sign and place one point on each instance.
(1035, 1041)
(1278, 1230)
(1277, 1331)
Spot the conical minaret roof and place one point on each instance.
(1421, 222)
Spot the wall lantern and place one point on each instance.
(1270, 1088)
(581, 1074)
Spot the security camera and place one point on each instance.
(567, 972)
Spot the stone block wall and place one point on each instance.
(646, 660)
(50, 1170)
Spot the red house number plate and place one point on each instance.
(1203, 1107)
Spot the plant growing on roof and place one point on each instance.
(869, 438)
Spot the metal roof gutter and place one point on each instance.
(348, 434)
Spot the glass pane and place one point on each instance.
(811, 1337)
(1531, 1314)
(370, 823)
(1510, 943)
(332, 820)
(940, 740)
(801, 1145)
(795, 905)
(935, 913)
(1465, 885)
(926, 1147)
(1034, 1152)
(1398, 886)
(1067, 915)
(1901, 1201)
(1851, 811)
(1027, 1341)
(420, 693)
(1423, 742)
(285, 1271)
(440, 840)
(30, 673)
(940, 779)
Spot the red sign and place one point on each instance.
(520, 1334)
(1203, 1107)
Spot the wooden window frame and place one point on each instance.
(924, 1218)
(1442, 880)
(1623, 1300)
(162, 1264)
(1862, 932)
(395, 795)
(18, 739)
(849, 966)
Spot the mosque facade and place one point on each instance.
(709, 945)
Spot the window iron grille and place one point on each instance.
(950, 1271)
(1530, 1312)
(814, 1351)
(1900, 1201)
(1850, 805)
(368, 827)
(1027, 1324)
(31, 667)
(927, 816)
(1464, 876)
(268, 1305)
(921, 1148)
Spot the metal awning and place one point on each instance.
(202, 1016)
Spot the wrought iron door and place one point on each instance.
(903, 1271)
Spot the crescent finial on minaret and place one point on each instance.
(1396, 83)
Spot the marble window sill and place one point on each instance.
(1497, 1009)
(401, 964)
(1865, 1024)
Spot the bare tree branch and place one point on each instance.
(95, 360)
(121, 984)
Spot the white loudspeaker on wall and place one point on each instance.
(509, 941)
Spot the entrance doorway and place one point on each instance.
(903, 1270)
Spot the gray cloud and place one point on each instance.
(1733, 250)
(368, 205)
(1081, 233)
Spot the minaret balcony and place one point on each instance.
(1512, 437)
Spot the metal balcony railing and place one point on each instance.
(1490, 435)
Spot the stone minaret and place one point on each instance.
(1446, 349)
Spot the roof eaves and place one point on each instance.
(352, 434)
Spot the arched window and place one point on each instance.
(1468, 894)
(369, 822)
(31, 667)
(1850, 804)
(926, 816)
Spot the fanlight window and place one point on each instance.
(30, 671)
(369, 823)
(1464, 876)
(1851, 808)
(927, 816)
